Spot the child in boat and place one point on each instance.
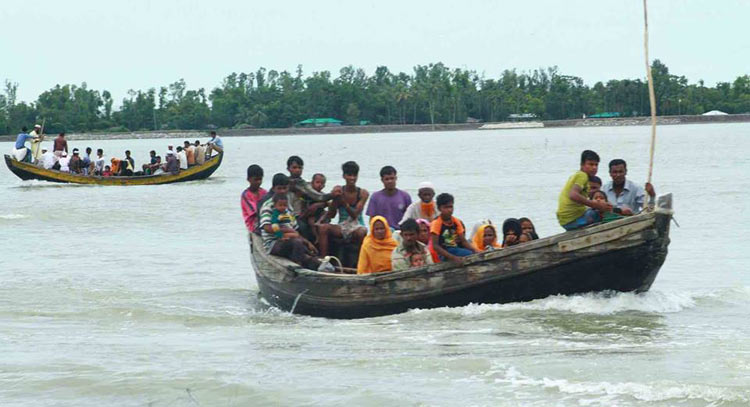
(527, 227)
(281, 218)
(425, 208)
(575, 210)
(417, 260)
(107, 171)
(485, 238)
(609, 216)
(312, 211)
(250, 197)
(511, 232)
(595, 184)
(447, 232)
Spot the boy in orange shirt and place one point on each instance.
(447, 232)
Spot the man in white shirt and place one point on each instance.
(64, 162)
(48, 159)
(99, 162)
(182, 157)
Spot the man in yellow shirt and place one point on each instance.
(572, 211)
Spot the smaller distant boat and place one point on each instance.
(27, 171)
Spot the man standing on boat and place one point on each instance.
(36, 143)
(60, 145)
(623, 193)
(20, 151)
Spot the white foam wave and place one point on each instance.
(12, 216)
(658, 391)
(594, 303)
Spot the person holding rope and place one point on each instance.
(623, 193)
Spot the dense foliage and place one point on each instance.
(433, 93)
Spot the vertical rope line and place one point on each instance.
(651, 96)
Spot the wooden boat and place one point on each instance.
(624, 255)
(27, 171)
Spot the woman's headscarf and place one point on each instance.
(375, 254)
(511, 224)
(479, 237)
(433, 253)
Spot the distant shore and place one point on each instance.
(402, 128)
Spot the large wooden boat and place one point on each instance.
(624, 255)
(27, 171)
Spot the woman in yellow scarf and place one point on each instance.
(486, 238)
(375, 254)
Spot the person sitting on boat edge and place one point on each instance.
(401, 258)
(289, 243)
(214, 144)
(595, 184)
(49, 160)
(279, 185)
(349, 205)
(250, 196)
(129, 169)
(485, 238)
(390, 202)
(425, 208)
(574, 209)
(448, 233)
(614, 214)
(376, 250)
(623, 193)
(182, 158)
(20, 151)
(154, 163)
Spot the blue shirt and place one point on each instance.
(21, 139)
(632, 196)
(217, 141)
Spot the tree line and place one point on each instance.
(432, 93)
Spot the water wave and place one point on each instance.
(653, 392)
(12, 216)
(593, 303)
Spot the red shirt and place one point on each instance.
(249, 203)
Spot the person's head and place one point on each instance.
(158, 158)
(61, 135)
(254, 176)
(186, 144)
(294, 165)
(37, 127)
(424, 231)
(589, 162)
(318, 182)
(75, 152)
(618, 169)
(426, 192)
(595, 183)
(599, 196)
(127, 153)
(213, 134)
(99, 152)
(107, 168)
(511, 226)
(526, 225)
(409, 232)
(388, 177)
(379, 228)
(24, 129)
(417, 259)
(445, 205)
(197, 143)
(88, 150)
(170, 147)
(489, 235)
(525, 237)
(350, 171)
(280, 184)
(280, 202)
(179, 148)
(152, 153)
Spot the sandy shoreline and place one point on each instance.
(192, 134)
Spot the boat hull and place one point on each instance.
(27, 171)
(622, 256)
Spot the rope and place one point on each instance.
(651, 96)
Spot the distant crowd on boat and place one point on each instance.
(60, 159)
(295, 219)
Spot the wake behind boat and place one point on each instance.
(28, 171)
(624, 255)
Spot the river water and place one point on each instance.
(135, 296)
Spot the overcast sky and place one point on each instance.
(139, 44)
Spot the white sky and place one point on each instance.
(140, 44)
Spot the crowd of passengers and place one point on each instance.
(75, 162)
(297, 220)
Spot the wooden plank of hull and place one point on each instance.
(622, 256)
(27, 171)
